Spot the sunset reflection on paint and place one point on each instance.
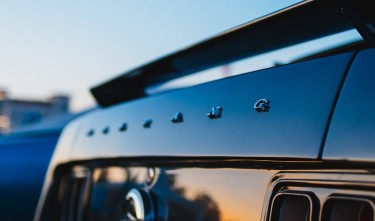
(227, 188)
(192, 194)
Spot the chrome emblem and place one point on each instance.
(262, 105)
(215, 113)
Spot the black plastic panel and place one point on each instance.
(352, 132)
(301, 96)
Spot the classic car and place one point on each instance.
(293, 142)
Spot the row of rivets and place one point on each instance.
(106, 130)
(261, 105)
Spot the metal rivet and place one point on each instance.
(123, 127)
(105, 130)
(262, 105)
(91, 133)
(147, 123)
(215, 112)
(177, 118)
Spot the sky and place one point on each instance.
(66, 47)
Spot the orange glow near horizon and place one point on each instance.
(227, 187)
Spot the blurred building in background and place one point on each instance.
(15, 113)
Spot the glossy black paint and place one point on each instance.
(212, 194)
(190, 194)
(351, 135)
(302, 96)
(198, 179)
(231, 168)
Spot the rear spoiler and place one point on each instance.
(298, 23)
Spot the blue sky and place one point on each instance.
(68, 46)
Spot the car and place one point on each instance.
(291, 142)
(26, 151)
(28, 148)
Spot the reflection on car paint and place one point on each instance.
(191, 194)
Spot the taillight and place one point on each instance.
(291, 207)
(348, 209)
